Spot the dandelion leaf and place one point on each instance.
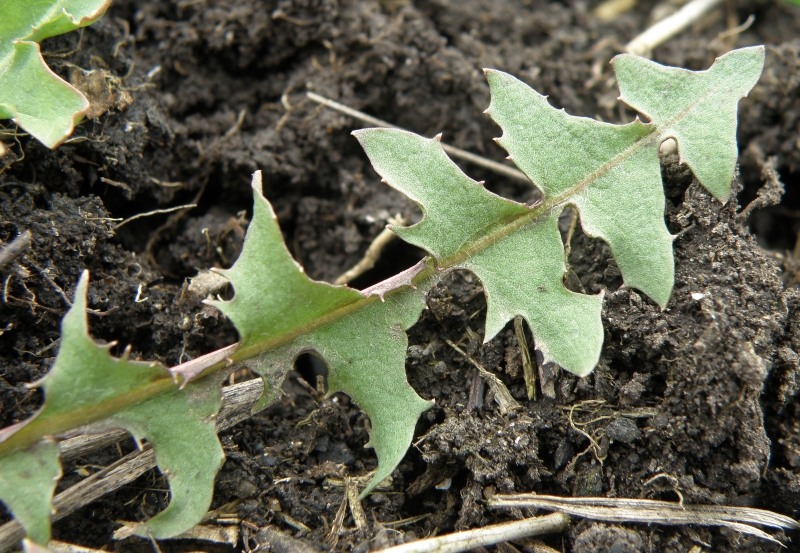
(27, 480)
(179, 424)
(520, 261)
(609, 173)
(523, 275)
(364, 349)
(32, 95)
(696, 108)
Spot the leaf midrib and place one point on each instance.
(39, 428)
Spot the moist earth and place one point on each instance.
(695, 402)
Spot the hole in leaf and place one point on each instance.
(312, 369)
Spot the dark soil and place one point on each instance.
(697, 401)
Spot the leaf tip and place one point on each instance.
(75, 321)
(257, 183)
(83, 284)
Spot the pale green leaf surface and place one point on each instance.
(365, 351)
(274, 297)
(179, 424)
(181, 427)
(85, 374)
(28, 478)
(457, 209)
(522, 271)
(523, 275)
(365, 354)
(697, 108)
(30, 93)
(611, 173)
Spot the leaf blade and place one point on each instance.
(392, 406)
(611, 173)
(566, 325)
(365, 356)
(531, 255)
(28, 479)
(32, 95)
(85, 374)
(268, 282)
(410, 163)
(180, 425)
(697, 108)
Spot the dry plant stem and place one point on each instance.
(649, 511)
(237, 402)
(372, 254)
(668, 27)
(488, 535)
(126, 470)
(498, 168)
(14, 249)
(772, 190)
(611, 9)
(527, 360)
(502, 396)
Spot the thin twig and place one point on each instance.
(770, 193)
(47, 278)
(128, 190)
(372, 254)
(502, 396)
(527, 359)
(670, 26)
(154, 212)
(498, 168)
(488, 535)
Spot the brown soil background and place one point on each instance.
(696, 401)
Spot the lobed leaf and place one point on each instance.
(365, 354)
(364, 348)
(520, 260)
(696, 108)
(178, 423)
(610, 173)
(274, 297)
(32, 95)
